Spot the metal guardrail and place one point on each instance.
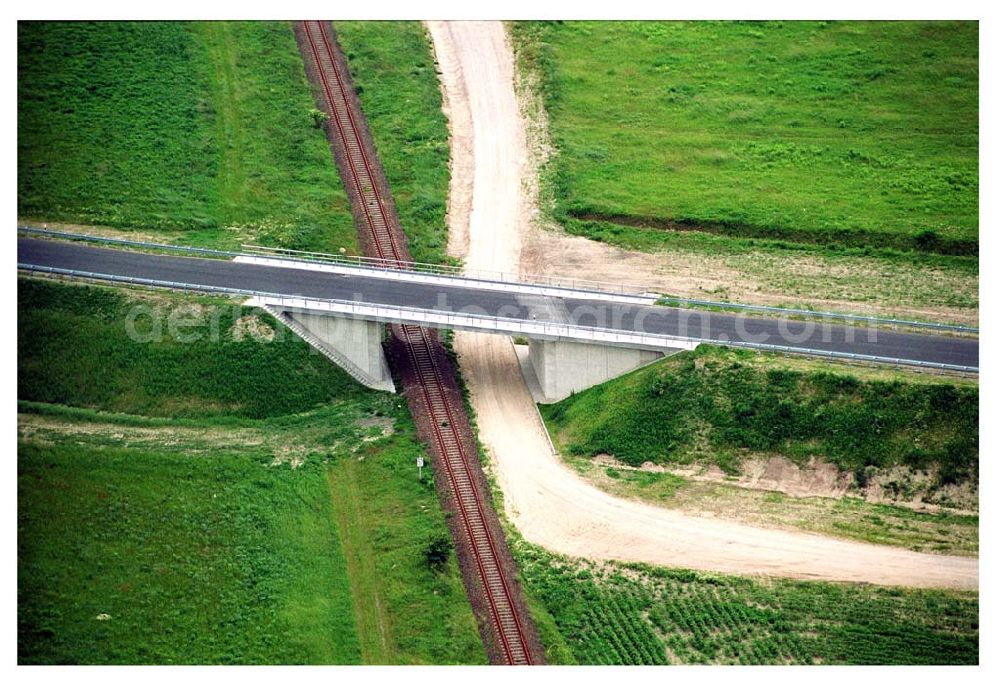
(827, 315)
(481, 322)
(499, 277)
(386, 267)
(446, 280)
(601, 286)
(83, 237)
(456, 271)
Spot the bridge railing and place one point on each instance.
(448, 275)
(580, 284)
(551, 285)
(484, 322)
(584, 284)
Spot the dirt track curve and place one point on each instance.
(489, 220)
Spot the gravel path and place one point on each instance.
(490, 219)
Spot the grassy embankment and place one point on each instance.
(824, 162)
(218, 149)
(217, 515)
(722, 408)
(632, 614)
(188, 132)
(393, 70)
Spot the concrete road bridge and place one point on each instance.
(576, 337)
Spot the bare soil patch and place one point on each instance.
(252, 326)
(548, 503)
(899, 486)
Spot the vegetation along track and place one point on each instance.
(428, 376)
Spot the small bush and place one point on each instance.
(319, 117)
(437, 553)
(927, 241)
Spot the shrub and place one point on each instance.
(437, 553)
(319, 117)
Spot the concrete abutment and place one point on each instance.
(355, 345)
(563, 367)
(553, 368)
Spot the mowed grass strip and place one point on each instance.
(405, 612)
(253, 488)
(195, 132)
(830, 132)
(393, 71)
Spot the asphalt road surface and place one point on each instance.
(806, 335)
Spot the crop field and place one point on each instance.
(187, 515)
(193, 132)
(631, 614)
(720, 406)
(838, 133)
(393, 70)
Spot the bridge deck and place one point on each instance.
(504, 306)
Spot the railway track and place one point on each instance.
(468, 499)
(362, 176)
(506, 628)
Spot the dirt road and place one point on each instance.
(490, 220)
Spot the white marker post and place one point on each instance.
(420, 467)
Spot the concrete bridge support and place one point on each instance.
(563, 367)
(354, 345)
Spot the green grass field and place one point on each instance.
(631, 614)
(199, 132)
(393, 70)
(830, 132)
(221, 501)
(720, 406)
(68, 336)
(196, 553)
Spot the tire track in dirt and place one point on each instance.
(549, 504)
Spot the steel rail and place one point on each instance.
(353, 145)
(465, 490)
(335, 114)
(792, 311)
(476, 526)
